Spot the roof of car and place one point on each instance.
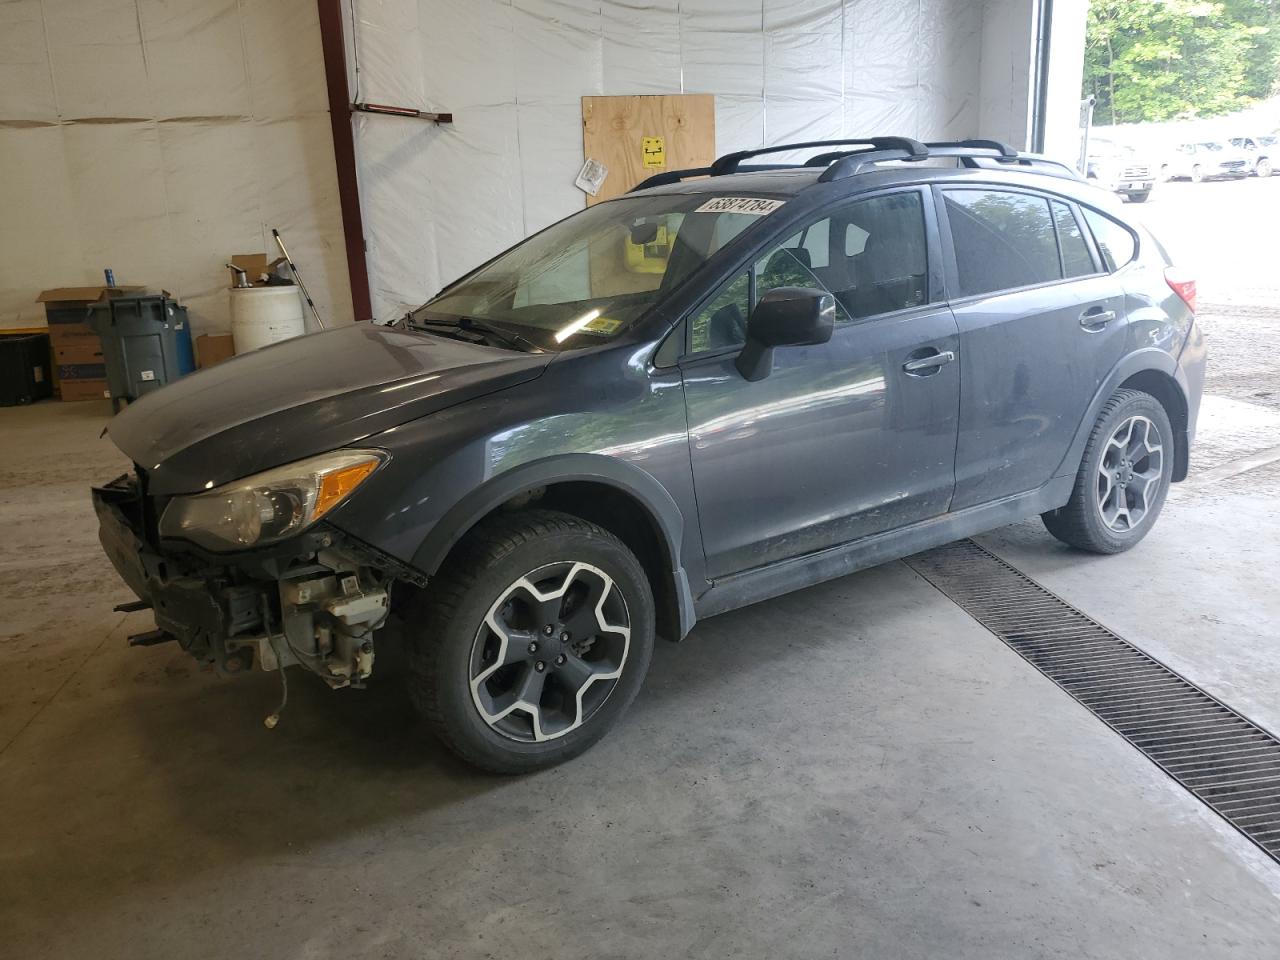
(856, 165)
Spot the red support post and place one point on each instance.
(334, 47)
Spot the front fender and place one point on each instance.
(478, 503)
(648, 493)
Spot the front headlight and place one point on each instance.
(269, 506)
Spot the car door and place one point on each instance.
(843, 439)
(1041, 325)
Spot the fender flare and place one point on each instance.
(1140, 361)
(662, 509)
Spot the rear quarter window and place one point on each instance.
(1115, 241)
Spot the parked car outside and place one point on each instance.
(1206, 160)
(728, 384)
(1260, 151)
(1118, 168)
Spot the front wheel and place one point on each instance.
(1263, 169)
(532, 643)
(1123, 478)
(1140, 197)
(1197, 175)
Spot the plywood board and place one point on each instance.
(636, 137)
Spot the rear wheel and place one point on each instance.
(1123, 478)
(533, 643)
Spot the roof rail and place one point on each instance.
(864, 154)
(729, 162)
(1004, 149)
(970, 153)
(675, 176)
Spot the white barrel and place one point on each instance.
(265, 315)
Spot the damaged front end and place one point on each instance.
(313, 598)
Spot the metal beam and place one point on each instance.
(334, 46)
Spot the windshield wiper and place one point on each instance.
(481, 329)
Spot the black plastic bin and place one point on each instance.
(146, 343)
(24, 369)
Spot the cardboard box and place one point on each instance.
(82, 371)
(64, 332)
(213, 348)
(70, 304)
(255, 265)
(78, 351)
(85, 390)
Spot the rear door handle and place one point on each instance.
(1095, 318)
(931, 362)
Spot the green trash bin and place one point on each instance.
(146, 343)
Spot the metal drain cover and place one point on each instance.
(1226, 760)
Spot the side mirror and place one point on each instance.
(785, 317)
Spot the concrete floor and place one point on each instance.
(854, 770)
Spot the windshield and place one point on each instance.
(1210, 146)
(590, 277)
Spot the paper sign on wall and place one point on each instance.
(591, 176)
(654, 151)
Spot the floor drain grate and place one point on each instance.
(1227, 761)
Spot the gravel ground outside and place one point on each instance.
(1227, 233)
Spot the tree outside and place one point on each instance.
(1180, 59)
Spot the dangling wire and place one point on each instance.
(271, 721)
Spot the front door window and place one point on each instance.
(872, 255)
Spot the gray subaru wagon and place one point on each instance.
(729, 383)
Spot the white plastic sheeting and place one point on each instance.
(158, 137)
(439, 200)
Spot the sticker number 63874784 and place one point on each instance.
(756, 205)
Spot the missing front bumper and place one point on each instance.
(317, 606)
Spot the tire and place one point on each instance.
(1197, 175)
(1092, 519)
(1165, 175)
(1140, 197)
(584, 682)
(1263, 169)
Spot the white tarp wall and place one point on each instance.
(158, 137)
(439, 200)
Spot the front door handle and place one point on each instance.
(1095, 318)
(920, 365)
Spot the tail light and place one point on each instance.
(1181, 283)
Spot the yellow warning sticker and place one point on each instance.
(654, 151)
(604, 325)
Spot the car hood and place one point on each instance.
(303, 397)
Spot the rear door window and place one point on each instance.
(1003, 240)
(1115, 242)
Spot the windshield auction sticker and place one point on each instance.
(755, 205)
